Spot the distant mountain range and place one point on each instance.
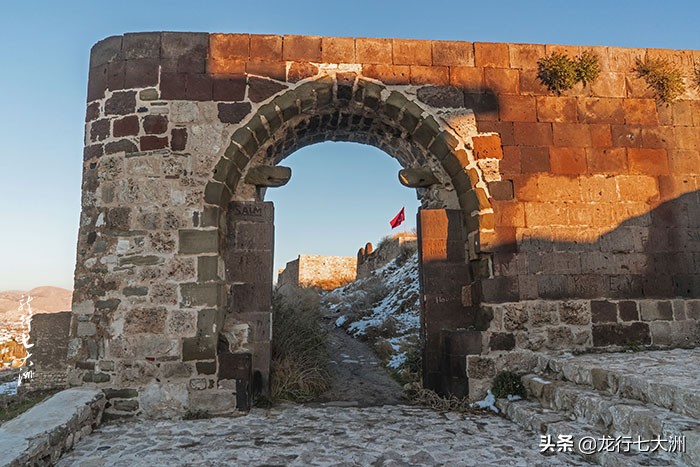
(45, 299)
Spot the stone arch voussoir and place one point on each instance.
(352, 93)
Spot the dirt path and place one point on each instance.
(359, 379)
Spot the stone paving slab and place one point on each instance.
(667, 378)
(41, 433)
(679, 366)
(302, 435)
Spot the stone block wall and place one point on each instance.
(588, 195)
(47, 364)
(385, 252)
(289, 276)
(518, 330)
(323, 272)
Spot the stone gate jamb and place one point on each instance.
(247, 327)
(447, 316)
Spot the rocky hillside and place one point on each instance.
(45, 299)
(384, 309)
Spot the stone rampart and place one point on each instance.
(386, 251)
(318, 271)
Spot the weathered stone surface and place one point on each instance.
(145, 320)
(603, 311)
(155, 124)
(574, 313)
(178, 139)
(184, 52)
(621, 334)
(120, 393)
(127, 126)
(480, 368)
(198, 348)
(100, 130)
(123, 145)
(268, 176)
(125, 406)
(121, 103)
(141, 45)
(233, 113)
(160, 400)
(262, 89)
(628, 311)
(417, 178)
(206, 368)
(200, 294)
(654, 310)
(502, 341)
(198, 241)
(441, 96)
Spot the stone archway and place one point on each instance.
(176, 124)
(346, 107)
(531, 184)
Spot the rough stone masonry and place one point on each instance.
(551, 222)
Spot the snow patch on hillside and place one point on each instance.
(383, 308)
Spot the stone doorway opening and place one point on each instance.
(341, 197)
(344, 108)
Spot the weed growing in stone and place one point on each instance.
(662, 77)
(633, 346)
(559, 72)
(507, 383)
(587, 67)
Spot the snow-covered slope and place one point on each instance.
(383, 308)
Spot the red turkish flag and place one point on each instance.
(400, 217)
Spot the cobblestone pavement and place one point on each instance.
(301, 435)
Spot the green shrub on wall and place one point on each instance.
(559, 72)
(587, 67)
(662, 77)
(507, 383)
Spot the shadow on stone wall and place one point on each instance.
(653, 255)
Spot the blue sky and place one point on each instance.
(44, 60)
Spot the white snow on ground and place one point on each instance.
(394, 292)
(488, 402)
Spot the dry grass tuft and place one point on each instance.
(299, 370)
(418, 395)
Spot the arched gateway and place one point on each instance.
(173, 280)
